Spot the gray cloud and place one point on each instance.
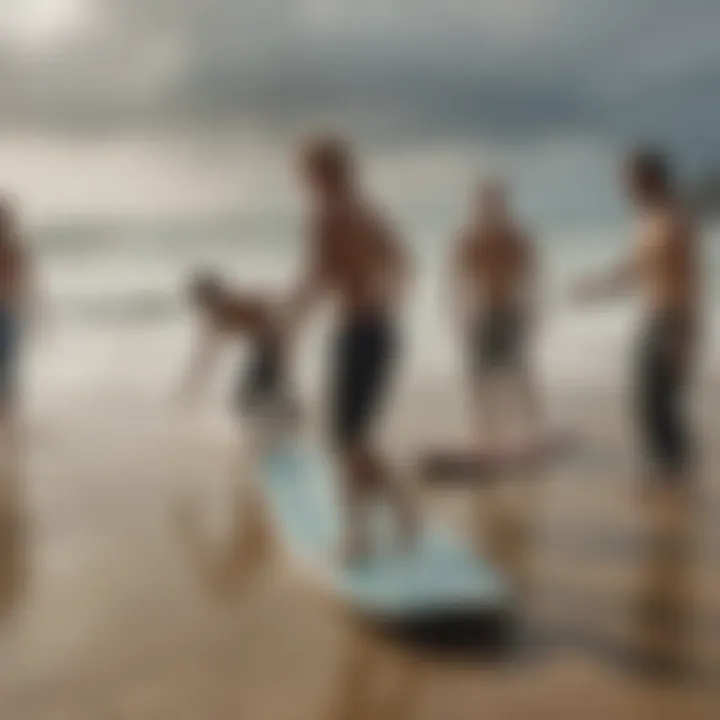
(404, 68)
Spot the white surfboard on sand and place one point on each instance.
(441, 577)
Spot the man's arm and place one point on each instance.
(397, 264)
(609, 284)
(310, 288)
(303, 299)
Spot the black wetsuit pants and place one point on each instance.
(662, 380)
(364, 350)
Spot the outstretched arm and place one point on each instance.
(303, 299)
(394, 281)
(309, 289)
(606, 285)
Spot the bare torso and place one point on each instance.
(357, 260)
(495, 265)
(666, 263)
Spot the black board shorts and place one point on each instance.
(364, 352)
(497, 341)
(661, 385)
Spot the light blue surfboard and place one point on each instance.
(440, 576)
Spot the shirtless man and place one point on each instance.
(15, 292)
(357, 263)
(227, 313)
(494, 278)
(663, 266)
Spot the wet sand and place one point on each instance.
(127, 590)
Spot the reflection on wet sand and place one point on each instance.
(376, 682)
(664, 611)
(506, 514)
(611, 598)
(645, 629)
(226, 567)
(13, 531)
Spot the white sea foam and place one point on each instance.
(119, 330)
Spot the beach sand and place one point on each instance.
(127, 591)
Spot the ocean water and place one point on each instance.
(117, 330)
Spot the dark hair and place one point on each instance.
(329, 159)
(650, 169)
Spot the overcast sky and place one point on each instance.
(144, 105)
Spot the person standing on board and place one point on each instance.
(357, 262)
